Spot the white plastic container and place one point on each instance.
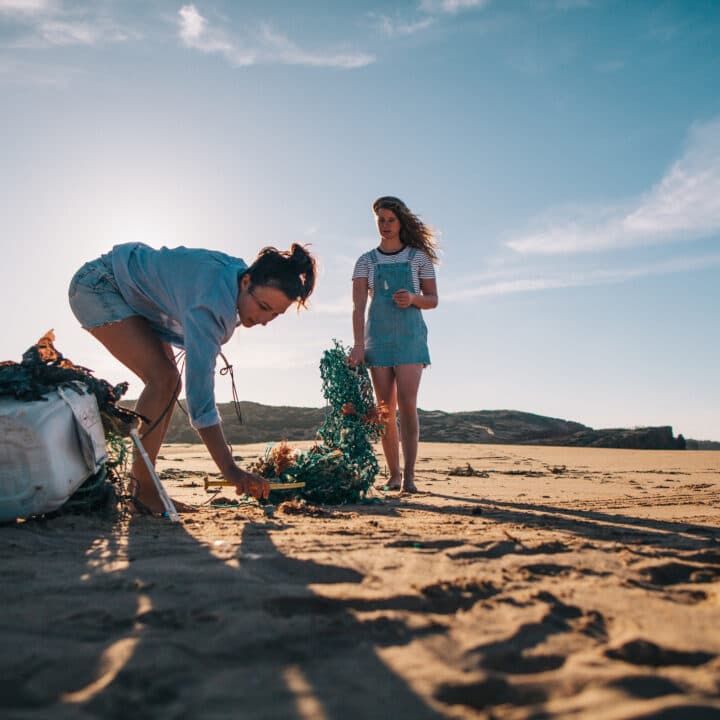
(47, 450)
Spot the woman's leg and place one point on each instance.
(383, 379)
(136, 346)
(408, 382)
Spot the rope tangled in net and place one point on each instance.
(42, 370)
(340, 466)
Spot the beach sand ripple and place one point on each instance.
(523, 582)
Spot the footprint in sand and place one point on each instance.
(645, 687)
(488, 692)
(512, 662)
(546, 569)
(515, 655)
(674, 573)
(462, 594)
(433, 545)
(644, 652)
(498, 549)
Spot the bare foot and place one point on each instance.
(146, 501)
(183, 507)
(157, 509)
(394, 483)
(137, 507)
(409, 486)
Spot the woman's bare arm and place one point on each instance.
(426, 299)
(217, 446)
(360, 296)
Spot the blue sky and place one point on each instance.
(568, 151)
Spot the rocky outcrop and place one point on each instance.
(641, 438)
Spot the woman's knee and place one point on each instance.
(165, 378)
(406, 403)
(408, 412)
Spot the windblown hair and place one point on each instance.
(292, 271)
(413, 231)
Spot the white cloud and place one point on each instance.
(451, 6)
(508, 281)
(429, 12)
(283, 50)
(192, 24)
(397, 27)
(25, 7)
(49, 23)
(195, 33)
(267, 47)
(67, 33)
(684, 205)
(568, 279)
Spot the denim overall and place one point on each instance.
(394, 335)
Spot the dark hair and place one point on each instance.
(413, 231)
(292, 271)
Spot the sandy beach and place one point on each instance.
(544, 583)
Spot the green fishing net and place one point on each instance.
(341, 466)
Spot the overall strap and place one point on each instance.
(412, 253)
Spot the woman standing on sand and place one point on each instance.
(138, 302)
(399, 276)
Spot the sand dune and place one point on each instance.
(545, 583)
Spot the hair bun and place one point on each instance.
(292, 271)
(301, 258)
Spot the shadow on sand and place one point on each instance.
(187, 630)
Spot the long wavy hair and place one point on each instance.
(413, 231)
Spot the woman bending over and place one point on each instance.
(140, 302)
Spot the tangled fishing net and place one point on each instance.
(341, 466)
(44, 369)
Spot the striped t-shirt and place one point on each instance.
(422, 267)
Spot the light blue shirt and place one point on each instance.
(189, 296)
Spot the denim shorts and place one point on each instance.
(95, 297)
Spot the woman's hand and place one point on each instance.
(357, 356)
(244, 482)
(403, 298)
(247, 483)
